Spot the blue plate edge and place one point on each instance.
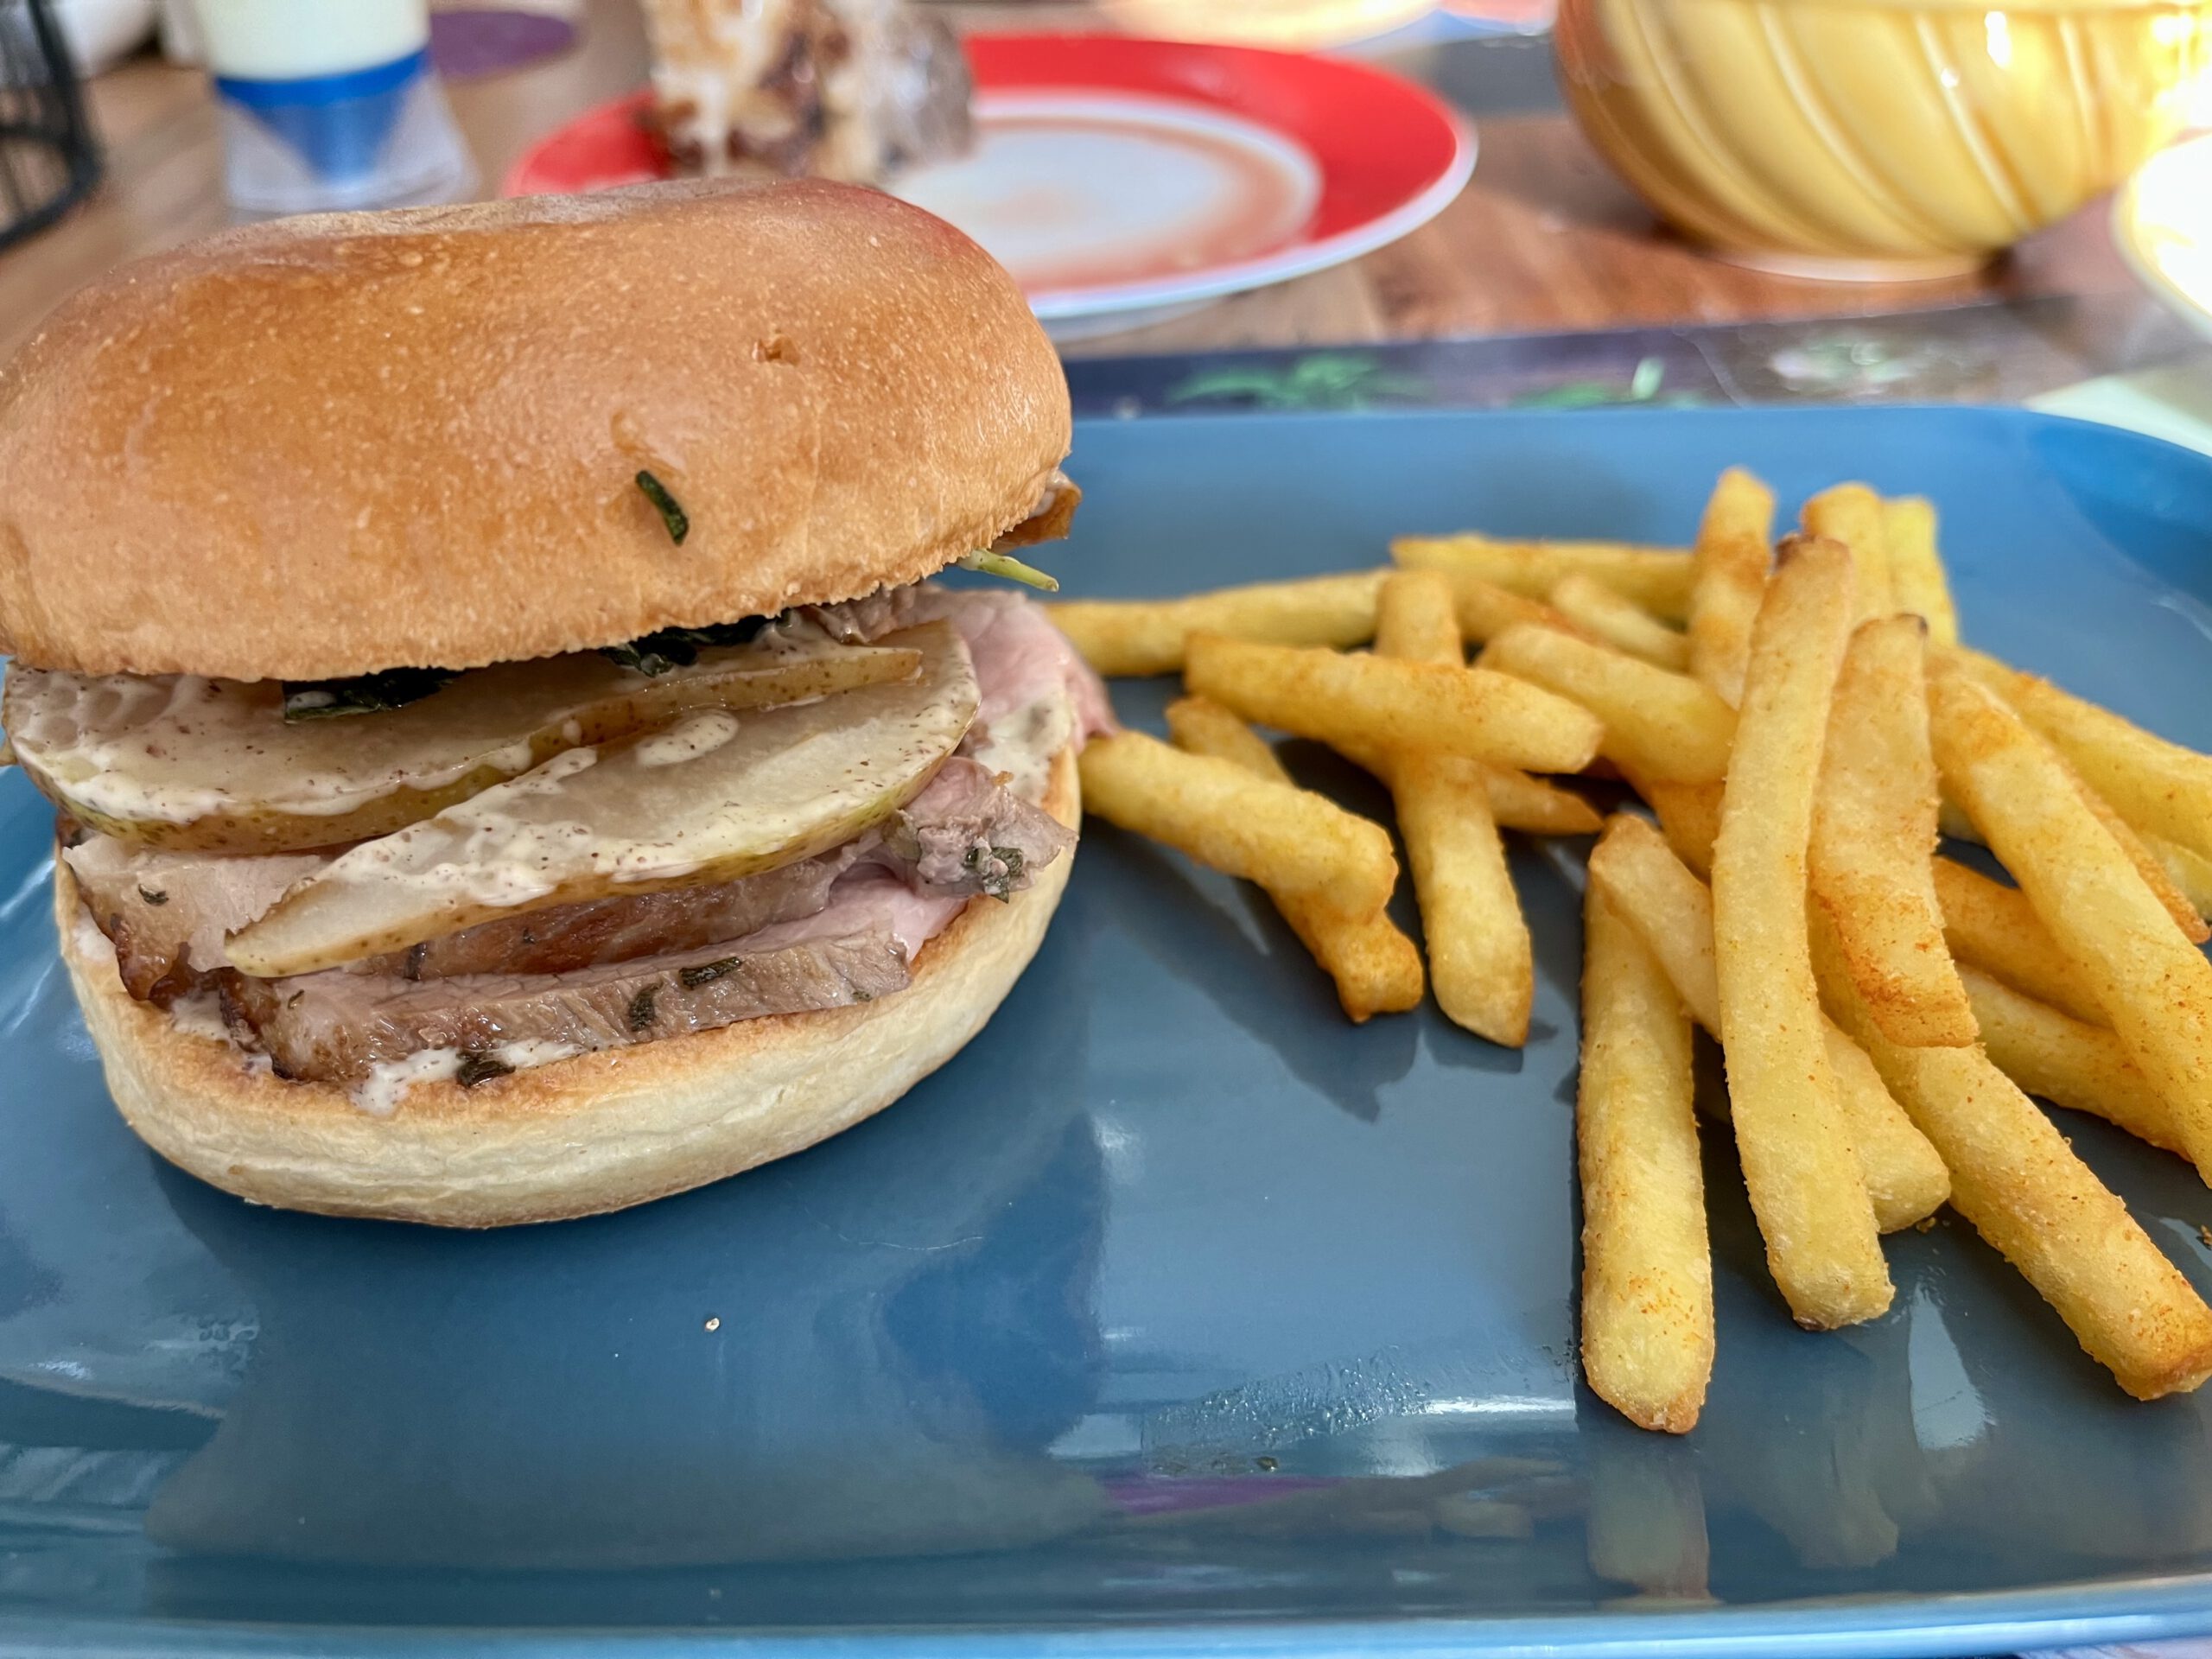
(2134, 1610)
(1995, 1621)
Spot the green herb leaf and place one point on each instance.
(667, 648)
(678, 521)
(641, 1008)
(1006, 565)
(1001, 888)
(475, 1068)
(365, 694)
(707, 972)
(154, 897)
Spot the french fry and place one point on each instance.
(1804, 1180)
(1376, 700)
(1647, 1273)
(1734, 550)
(1689, 814)
(2015, 1178)
(1483, 610)
(2148, 865)
(1480, 958)
(2191, 872)
(1657, 578)
(1415, 620)
(1852, 514)
(1537, 807)
(2159, 787)
(1145, 636)
(1286, 839)
(1906, 1180)
(2154, 986)
(1672, 912)
(1952, 821)
(1602, 614)
(1377, 968)
(2080, 1067)
(1994, 928)
(1656, 893)
(1664, 725)
(1874, 839)
(1198, 726)
(1918, 582)
(1479, 953)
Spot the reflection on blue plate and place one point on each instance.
(1176, 1313)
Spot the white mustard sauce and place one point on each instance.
(176, 748)
(1021, 746)
(690, 737)
(534, 1050)
(199, 1013)
(379, 1094)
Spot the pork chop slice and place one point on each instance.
(167, 911)
(335, 1026)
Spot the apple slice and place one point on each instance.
(713, 796)
(177, 761)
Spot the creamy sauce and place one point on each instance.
(200, 1015)
(1020, 746)
(379, 1093)
(689, 738)
(89, 941)
(748, 793)
(176, 748)
(534, 1050)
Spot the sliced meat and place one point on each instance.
(569, 936)
(963, 836)
(167, 911)
(336, 1027)
(1020, 659)
(967, 834)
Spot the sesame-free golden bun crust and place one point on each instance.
(349, 442)
(600, 1132)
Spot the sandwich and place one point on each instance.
(510, 757)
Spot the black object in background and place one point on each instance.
(48, 157)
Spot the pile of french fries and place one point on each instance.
(1801, 722)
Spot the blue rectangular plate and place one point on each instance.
(1177, 1314)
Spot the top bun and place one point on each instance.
(350, 442)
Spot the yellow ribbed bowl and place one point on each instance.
(1855, 138)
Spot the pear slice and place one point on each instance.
(716, 795)
(181, 762)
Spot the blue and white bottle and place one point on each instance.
(330, 104)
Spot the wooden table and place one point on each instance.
(1543, 239)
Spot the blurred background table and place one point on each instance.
(1544, 240)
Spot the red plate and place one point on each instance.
(1114, 175)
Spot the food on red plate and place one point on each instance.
(842, 89)
(510, 757)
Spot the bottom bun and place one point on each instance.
(577, 1137)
